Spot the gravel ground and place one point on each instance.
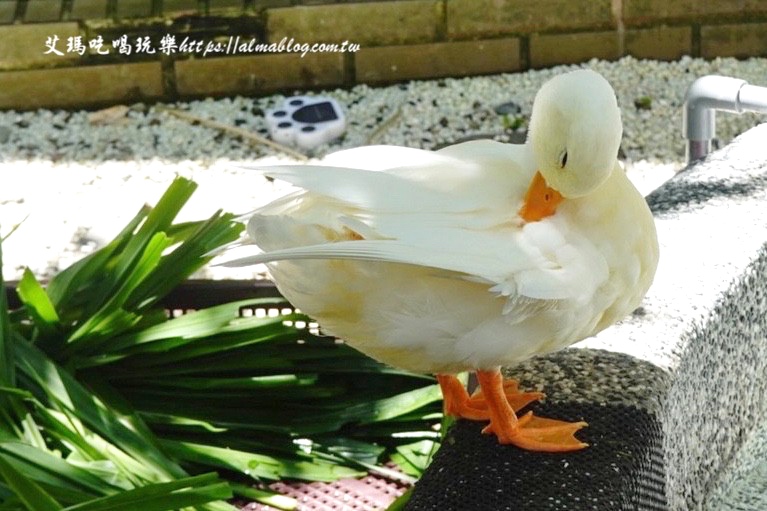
(72, 180)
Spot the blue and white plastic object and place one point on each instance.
(306, 121)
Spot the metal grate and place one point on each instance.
(194, 294)
(370, 493)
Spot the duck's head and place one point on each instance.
(575, 131)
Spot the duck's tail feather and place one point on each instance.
(390, 251)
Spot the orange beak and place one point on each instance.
(540, 200)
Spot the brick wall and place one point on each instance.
(399, 40)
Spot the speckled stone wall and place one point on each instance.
(721, 384)
(705, 320)
(690, 365)
(718, 394)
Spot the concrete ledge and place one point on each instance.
(744, 485)
(692, 360)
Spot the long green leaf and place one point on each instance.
(256, 465)
(66, 392)
(11, 410)
(159, 219)
(190, 491)
(7, 370)
(245, 384)
(32, 495)
(400, 502)
(416, 456)
(39, 305)
(383, 409)
(85, 287)
(192, 328)
(185, 259)
(112, 318)
(86, 278)
(277, 353)
(269, 498)
(70, 482)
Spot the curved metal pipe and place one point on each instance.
(705, 96)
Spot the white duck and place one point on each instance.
(473, 257)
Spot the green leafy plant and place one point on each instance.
(106, 403)
(512, 123)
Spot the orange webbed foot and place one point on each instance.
(535, 433)
(528, 432)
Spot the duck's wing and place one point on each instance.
(537, 263)
(454, 210)
(390, 179)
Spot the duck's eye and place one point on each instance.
(563, 160)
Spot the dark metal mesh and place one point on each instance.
(621, 470)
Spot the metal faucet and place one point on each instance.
(705, 96)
